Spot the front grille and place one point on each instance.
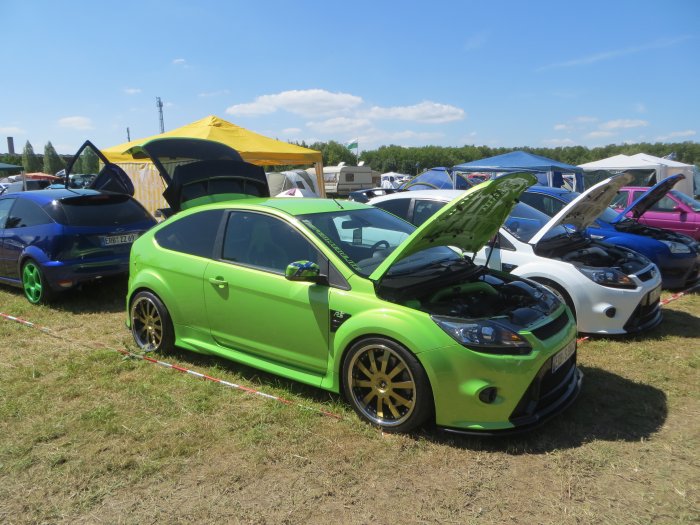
(645, 276)
(552, 328)
(545, 391)
(644, 316)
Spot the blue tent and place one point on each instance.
(549, 172)
(436, 178)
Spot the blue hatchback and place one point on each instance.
(676, 255)
(53, 240)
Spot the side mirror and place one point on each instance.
(302, 271)
(13, 222)
(679, 209)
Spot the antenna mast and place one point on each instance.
(159, 105)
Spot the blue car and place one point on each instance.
(676, 255)
(53, 240)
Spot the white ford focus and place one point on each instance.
(610, 289)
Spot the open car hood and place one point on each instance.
(650, 197)
(587, 207)
(468, 222)
(198, 171)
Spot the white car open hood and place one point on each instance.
(587, 207)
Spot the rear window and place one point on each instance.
(97, 210)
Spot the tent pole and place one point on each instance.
(319, 179)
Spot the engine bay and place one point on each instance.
(597, 255)
(484, 294)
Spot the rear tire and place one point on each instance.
(386, 385)
(151, 325)
(36, 289)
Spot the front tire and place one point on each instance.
(151, 325)
(36, 289)
(386, 385)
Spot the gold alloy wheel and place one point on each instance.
(146, 324)
(381, 384)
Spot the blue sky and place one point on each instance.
(496, 73)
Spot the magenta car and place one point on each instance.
(667, 208)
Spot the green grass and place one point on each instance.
(87, 435)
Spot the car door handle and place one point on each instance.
(218, 281)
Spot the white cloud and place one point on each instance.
(677, 135)
(339, 125)
(291, 131)
(562, 127)
(426, 111)
(11, 130)
(599, 134)
(179, 61)
(307, 103)
(132, 91)
(215, 93)
(624, 124)
(558, 142)
(80, 123)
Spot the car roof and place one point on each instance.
(440, 195)
(46, 196)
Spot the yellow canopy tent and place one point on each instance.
(254, 148)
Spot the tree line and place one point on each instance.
(50, 162)
(414, 160)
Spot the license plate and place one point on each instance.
(111, 240)
(563, 355)
(654, 295)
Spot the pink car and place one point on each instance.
(662, 207)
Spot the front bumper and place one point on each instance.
(548, 395)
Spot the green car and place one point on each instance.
(351, 299)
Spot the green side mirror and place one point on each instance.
(302, 271)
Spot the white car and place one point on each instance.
(610, 289)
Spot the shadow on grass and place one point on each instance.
(610, 408)
(675, 323)
(107, 295)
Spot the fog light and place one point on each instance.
(610, 312)
(488, 395)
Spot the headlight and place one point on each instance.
(483, 336)
(677, 247)
(607, 277)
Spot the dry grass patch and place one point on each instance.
(88, 436)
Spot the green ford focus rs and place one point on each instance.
(351, 299)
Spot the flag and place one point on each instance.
(352, 144)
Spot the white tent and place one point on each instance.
(641, 161)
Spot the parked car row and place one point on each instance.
(458, 308)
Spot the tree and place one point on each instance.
(30, 161)
(89, 162)
(52, 162)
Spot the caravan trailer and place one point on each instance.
(340, 180)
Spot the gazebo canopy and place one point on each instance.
(254, 148)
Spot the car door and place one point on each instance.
(5, 205)
(669, 214)
(27, 224)
(253, 308)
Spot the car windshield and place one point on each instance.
(525, 221)
(365, 238)
(685, 199)
(609, 215)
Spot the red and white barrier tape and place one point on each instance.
(172, 366)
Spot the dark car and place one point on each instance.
(53, 240)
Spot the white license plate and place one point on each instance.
(654, 295)
(563, 355)
(111, 240)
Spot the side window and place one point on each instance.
(194, 234)
(423, 210)
(5, 206)
(620, 200)
(265, 242)
(637, 194)
(25, 213)
(398, 207)
(505, 244)
(665, 204)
